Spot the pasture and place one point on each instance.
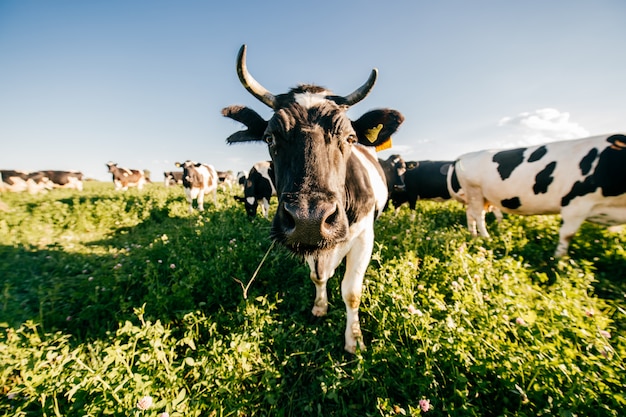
(108, 298)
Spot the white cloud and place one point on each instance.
(541, 126)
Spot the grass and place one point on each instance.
(109, 297)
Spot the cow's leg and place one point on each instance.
(191, 194)
(475, 212)
(320, 276)
(569, 227)
(200, 199)
(265, 207)
(357, 261)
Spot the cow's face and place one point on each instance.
(250, 204)
(310, 139)
(112, 167)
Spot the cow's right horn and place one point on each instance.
(252, 85)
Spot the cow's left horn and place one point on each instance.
(252, 85)
(362, 92)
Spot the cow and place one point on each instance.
(394, 168)
(18, 181)
(258, 187)
(172, 178)
(226, 178)
(427, 180)
(63, 179)
(329, 183)
(582, 179)
(198, 180)
(125, 177)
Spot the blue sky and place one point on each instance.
(142, 83)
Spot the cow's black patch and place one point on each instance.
(544, 178)
(454, 181)
(511, 203)
(619, 141)
(587, 162)
(508, 160)
(537, 154)
(608, 175)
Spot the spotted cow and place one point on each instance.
(63, 179)
(583, 179)
(172, 178)
(329, 183)
(198, 180)
(258, 188)
(125, 177)
(18, 181)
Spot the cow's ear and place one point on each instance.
(375, 127)
(256, 124)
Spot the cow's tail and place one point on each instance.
(452, 181)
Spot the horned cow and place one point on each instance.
(329, 183)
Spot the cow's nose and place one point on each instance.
(310, 225)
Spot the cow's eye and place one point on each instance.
(351, 138)
(268, 138)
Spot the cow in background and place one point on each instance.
(125, 177)
(258, 188)
(583, 179)
(64, 179)
(394, 168)
(18, 181)
(198, 180)
(426, 180)
(329, 183)
(226, 178)
(172, 178)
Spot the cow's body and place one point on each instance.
(427, 180)
(198, 180)
(583, 179)
(18, 181)
(125, 177)
(64, 179)
(258, 188)
(172, 178)
(394, 168)
(330, 187)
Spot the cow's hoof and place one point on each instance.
(319, 311)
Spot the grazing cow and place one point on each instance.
(258, 187)
(172, 178)
(394, 168)
(17, 181)
(64, 179)
(125, 177)
(329, 183)
(198, 180)
(583, 179)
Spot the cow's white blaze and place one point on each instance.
(310, 100)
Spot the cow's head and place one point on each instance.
(396, 168)
(250, 203)
(310, 140)
(112, 166)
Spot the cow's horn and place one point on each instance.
(252, 85)
(362, 92)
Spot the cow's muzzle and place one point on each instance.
(306, 226)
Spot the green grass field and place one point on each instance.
(108, 298)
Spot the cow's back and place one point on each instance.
(532, 180)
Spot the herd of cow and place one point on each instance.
(331, 186)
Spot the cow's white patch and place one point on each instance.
(250, 200)
(379, 184)
(309, 100)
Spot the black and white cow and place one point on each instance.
(64, 179)
(394, 168)
(125, 177)
(329, 183)
(18, 181)
(198, 180)
(172, 178)
(583, 179)
(258, 188)
(226, 179)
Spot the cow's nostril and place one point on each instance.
(289, 217)
(329, 220)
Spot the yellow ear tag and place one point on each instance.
(372, 134)
(385, 145)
